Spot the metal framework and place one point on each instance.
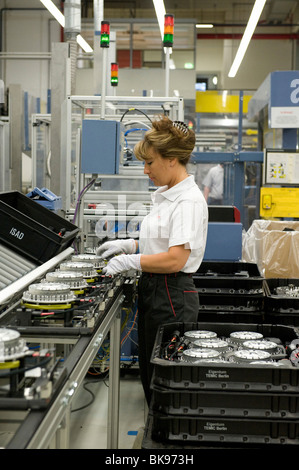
(50, 427)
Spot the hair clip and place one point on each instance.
(181, 126)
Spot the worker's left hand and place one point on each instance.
(122, 263)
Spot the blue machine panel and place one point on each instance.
(102, 145)
(224, 242)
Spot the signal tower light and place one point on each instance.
(168, 30)
(114, 74)
(105, 33)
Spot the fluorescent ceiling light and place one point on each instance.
(54, 11)
(83, 44)
(61, 20)
(204, 25)
(251, 25)
(160, 12)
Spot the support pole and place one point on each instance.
(167, 63)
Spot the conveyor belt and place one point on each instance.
(12, 266)
(15, 280)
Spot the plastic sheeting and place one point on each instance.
(274, 246)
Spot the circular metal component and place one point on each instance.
(73, 279)
(263, 345)
(49, 293)
(97, 261)
(216, 343)
(194, 355)
(240, 336)
(249, 355)
(87, 269)
(199, 334)
(9, 337)
(12, 346)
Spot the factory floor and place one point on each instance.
(88, 427)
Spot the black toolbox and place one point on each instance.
(31, 229)
(223, 399)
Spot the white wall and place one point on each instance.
(28, 32)
(262, 57)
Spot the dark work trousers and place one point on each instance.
(162, 298)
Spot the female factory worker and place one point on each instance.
(172, 238)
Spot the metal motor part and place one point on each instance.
(73, 279)
(198, 354)
(12, 346)
(193, 335)
(216, 344)
(97, 261)
(48, 293)
(238, 337)
(249, 355)
(87, 269)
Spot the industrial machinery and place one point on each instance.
(56, 310)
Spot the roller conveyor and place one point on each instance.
(12, 266)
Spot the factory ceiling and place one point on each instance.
(136, 19)
(225, 12)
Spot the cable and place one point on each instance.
(80, 196)
(134, 122)
(87, 404)
(135, 109)
(135, 129)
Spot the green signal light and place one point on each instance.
(168, 40)
(105, 40)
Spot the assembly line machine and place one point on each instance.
(55, 313)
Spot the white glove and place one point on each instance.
(122, 263)
(114, 247)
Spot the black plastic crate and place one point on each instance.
(212, 314)
(230, 302)
(225, 404)
(277, 297)
(149, 443)
(224, 430)
(32, 230)
(225, 375)
(228, 277)
(283, 318)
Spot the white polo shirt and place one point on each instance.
(214, 181)
(179, 216)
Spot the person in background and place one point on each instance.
(213, 185)
(172, 238)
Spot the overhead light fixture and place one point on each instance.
(251, 25)
(160, 13)
(83, 44)
(61, 20)
(204, 25)
(54, 11)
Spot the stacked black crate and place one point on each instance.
(282, 301)
(243, 395)
(230, 291)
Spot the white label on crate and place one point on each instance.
(215, 427)
(217, 374)
(16, 233)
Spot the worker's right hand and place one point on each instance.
(115, 247)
